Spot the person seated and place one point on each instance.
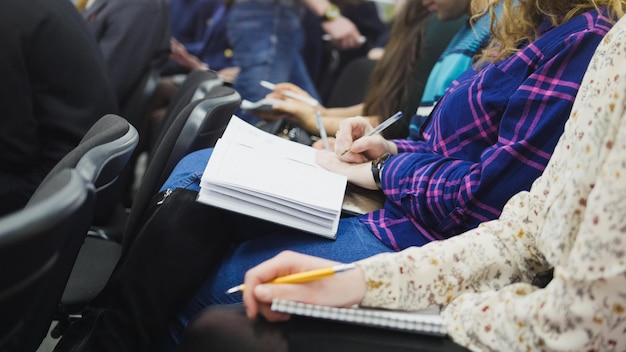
(489, 137)
(398, 84)
(572, 220)
(275, 50)
(133, 36)
(55, 87)
(191, 22)
(326, 62)
(199, 40)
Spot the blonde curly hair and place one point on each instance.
(520, 20)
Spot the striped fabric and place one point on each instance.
(489, 137)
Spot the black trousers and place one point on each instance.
(226, 328)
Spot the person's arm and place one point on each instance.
(342, 290)
(342, 31)
(449, 194)
(353, 151)
(302, 114)
(181, 56)
(483, 259)
(582, 308)
(484, 274)
(184, 58)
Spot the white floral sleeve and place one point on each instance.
(572, 219)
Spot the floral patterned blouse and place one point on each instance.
(573, 220)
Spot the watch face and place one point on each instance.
(332, 12)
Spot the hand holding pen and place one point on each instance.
(308, 100)
(378, 129)
(303, 98)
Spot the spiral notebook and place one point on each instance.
(426, 321)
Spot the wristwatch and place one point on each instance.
(377, 168)
(331, 13)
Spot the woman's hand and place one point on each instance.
(180, 54)
(343, 33)
(295, 111)
(229, 74)
(353, 149)
(319, 144)
(359, 174)
(341, 290)
(286, 86)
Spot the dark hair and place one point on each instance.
(393, 74)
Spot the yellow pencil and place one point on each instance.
(305, 276)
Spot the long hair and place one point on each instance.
(520, 21)
(392, 76)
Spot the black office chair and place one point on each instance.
(352, 84)
(38, 246)
(197, 85)
(197, 126)
(136, 104)
(100, 158)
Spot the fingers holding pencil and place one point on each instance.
(330, 290)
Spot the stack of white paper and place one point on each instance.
(262, 175)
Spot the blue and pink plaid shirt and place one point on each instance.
(490, 136)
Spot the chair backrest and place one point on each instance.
(197, 85)
(190, 89)
(100, 157)
(201, 127)
(197, 126)
(37, 250)
(352, 84)
(135, 106)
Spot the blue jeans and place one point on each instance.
(267, 42)
(254, 242)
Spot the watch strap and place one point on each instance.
(377, 168)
